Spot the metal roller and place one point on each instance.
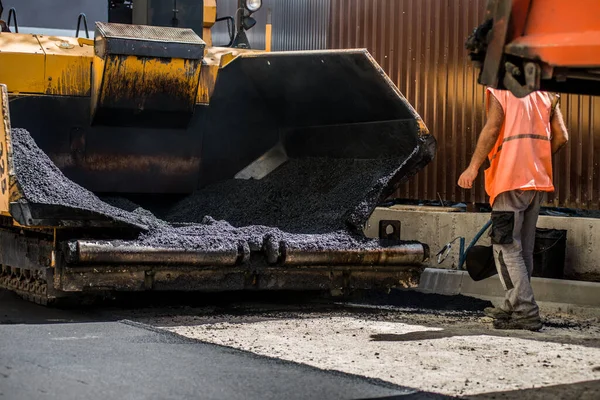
(404, 254)
(104, 252)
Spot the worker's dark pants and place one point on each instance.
(514, 218)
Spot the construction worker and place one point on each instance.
(517, 141)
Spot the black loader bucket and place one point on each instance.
(305, 141)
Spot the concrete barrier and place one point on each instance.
(438, 228)
(551, 294)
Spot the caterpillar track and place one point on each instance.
(26, 264)
(30, 285)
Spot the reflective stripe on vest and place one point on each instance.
(515, 137)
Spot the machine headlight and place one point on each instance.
(253, 5)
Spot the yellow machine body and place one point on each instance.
(156, 111)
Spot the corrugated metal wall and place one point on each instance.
(297, 24)
(576, 168)
(420, 45)
(35, 13)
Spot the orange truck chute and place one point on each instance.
(528, 45)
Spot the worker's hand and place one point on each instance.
(466, 179)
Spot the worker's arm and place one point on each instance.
(560, 136)
(485, 143)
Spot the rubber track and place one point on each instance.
(26, 285)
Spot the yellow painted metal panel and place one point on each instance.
(208, 78)
(210, 13)
(4, 148)
(209, 72)
(97, 75)
(21, 63)
(210, 18)
(128, 75)
(268, 37)
(68, 66)
(215, 58)
(85, 41)
(136, 85)
(207, 36)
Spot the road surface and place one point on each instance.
(405, 346)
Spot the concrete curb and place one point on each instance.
(438, 228)
(564, 295)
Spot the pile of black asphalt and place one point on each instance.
(308, 195)
(41, 182)
(314, 204)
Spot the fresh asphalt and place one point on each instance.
(57, 354)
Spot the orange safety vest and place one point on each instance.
(522, 156)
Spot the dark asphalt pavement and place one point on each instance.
(55, 354)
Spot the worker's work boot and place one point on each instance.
(496, 313)
(527, 324)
